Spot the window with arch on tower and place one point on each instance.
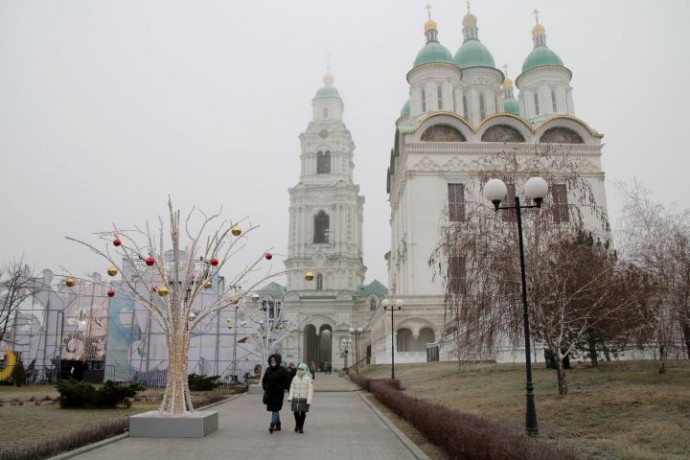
(319, 282)
(536, 104)
(321, 228)
(553, 100)
(325, 113)
(440, 98)
(482, 107)
(323, 162)
(423, 100)
(465, 112)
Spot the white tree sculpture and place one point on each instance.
(268, 325)
(188, 270)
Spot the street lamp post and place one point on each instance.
(536, 188)
(356, 332)
(387, 305)
(345, 348)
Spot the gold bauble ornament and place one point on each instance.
(234, 299)
(162, 291)
(208, 284)
(112, 271)
(308, 276)
(69, 282)
(236, 230)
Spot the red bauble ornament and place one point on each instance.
(117, 242)
(111, 293)
(268, 256)
(150, 261)
(214, 261)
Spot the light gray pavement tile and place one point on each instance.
(340, 425)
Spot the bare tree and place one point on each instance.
(657, 239)
(17, 284)
(188, 269)
(483, 298)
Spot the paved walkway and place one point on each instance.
(340, 425)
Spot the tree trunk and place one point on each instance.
(685, 327)
(593, 351)
(177, 399)
(607, 353)
(560, 372)
(662, 358)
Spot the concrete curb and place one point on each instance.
(411, 446)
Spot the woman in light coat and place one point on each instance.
(300, 395)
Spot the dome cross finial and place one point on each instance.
(428, 10)
(328, 78)
(536, 15)
(468, 6)
(505, 69)
(328, 57)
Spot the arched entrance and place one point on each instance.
(318, 348)
(325, 346)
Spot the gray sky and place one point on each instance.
(106, 108)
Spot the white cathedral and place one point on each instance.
(460, 108)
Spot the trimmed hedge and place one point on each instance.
(462, 436)
(77, 395)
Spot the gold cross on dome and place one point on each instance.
(536, 15)
(505, 69)
(468, 6)
(428, 10)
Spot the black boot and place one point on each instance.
(271, 428)
(296, 421)
(277, 427)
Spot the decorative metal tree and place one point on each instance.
(269, 326)
(183, 271)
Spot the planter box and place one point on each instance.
(154, 425)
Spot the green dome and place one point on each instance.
(405, 109)
(327, 92)
(433, 52)
(511, 105)
(473, 53)
(539, 57)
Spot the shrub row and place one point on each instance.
(463, 436)
(74, 395)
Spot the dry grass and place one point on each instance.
(31, 415)
(622, 410)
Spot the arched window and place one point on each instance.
(536, 104)
(440, 98)
(319, 282)
(560, 135)
(423, 100)
(482, 107)
(502, 133)
(372, 304)
(323, 162)
(465, 110)
(553, 100)
(321, 230)
(325, 113)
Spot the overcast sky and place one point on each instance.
(106, 108)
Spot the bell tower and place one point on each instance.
(326, 210)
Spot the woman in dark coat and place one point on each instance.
(276, 380)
